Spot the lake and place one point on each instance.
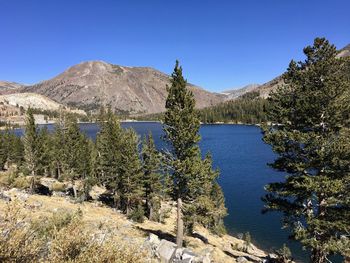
(241, 156)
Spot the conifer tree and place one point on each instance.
(3, 151)
(76, 153)
(152, 178)
(181, 126)
(130, 176)
(31, 147)
(311, 137)
(108, 147)
(12, 148)
(45, 144)
(16, 151)
(58, 149)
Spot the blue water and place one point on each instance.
(241, 156)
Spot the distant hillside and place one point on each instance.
(33, 100)
(7, 86)
(235, 93)
(127, 89)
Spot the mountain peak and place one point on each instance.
(135, 90)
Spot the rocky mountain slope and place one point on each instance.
(344, 52)
(32, 100)
(7, 86)
(235, 93)
(127, 89)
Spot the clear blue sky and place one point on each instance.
(221, 44)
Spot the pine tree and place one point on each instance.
(152, 178)
(3, 151)
(130, 171)
(76, 152)
(31, 147)
(311, 137)
(45, 145)
(13, 151)
(108, 147)
(190, 177)
(58, 149)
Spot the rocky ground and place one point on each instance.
(157, 239)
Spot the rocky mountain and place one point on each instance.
(127, 89)
(235, 93)
(7, 86)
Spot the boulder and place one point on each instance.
(153, 239)
(48, 182)
(241, 260)
(189, 256)
(96, 192)
(166, 251)
(16, 193)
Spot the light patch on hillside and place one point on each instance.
(32, 100)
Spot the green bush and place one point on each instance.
(137, 215)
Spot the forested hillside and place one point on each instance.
(248, 109)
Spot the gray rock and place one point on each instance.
(20, 195)
(166, 251)
(188, 255)
(153, 239)
(5, 197)
(48, 182)
(241, 259)
(58, 194)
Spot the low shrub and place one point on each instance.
(6, 178)
(21, 182)
(138, 214)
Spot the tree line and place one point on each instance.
(247, 109)
(136, 175)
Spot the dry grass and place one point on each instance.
(27, 236)
(68, 231)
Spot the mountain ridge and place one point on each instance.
(136, 90)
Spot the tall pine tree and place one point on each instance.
(152, 178)
(31, 147)
(311, 136)
(108, 147)
(130, 187)
(181, 126)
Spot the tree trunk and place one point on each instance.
(32, 182)
(179, 224)
(150, 213)
(74, 190)
(318, 256)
